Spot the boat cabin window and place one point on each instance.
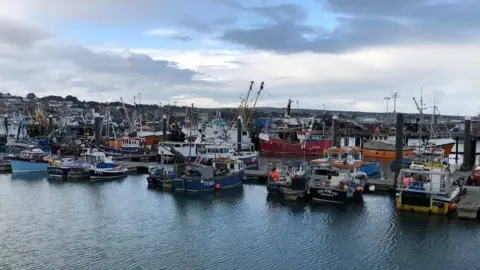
(232, 166)
(221, 166)
(31, 155)
(325, 172)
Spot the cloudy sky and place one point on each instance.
(344, 54)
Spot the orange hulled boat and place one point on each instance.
(384, 149)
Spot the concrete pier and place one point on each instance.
(469, 206)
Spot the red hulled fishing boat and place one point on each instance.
(303, 146)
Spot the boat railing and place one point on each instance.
(431, 182)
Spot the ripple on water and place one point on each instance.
(123, 225)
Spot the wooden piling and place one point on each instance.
(398, 147)
(98, 123)
(456, 150)
(239, 134)
(466, 145)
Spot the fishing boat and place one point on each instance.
(161, 177)
(62, 167)
(223, 150)
(273, 143)
(352, 154)
(292, 185)
(427, 191)
(125, 145)
(106, 170)
(32, 160)
(384, 147)
(209, 175)
(336, 183)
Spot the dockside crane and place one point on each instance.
(243, 104)
(126, 113)
(255, 103)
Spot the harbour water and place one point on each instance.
(46, 224)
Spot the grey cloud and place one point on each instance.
(20, 34)
(55, 66)
(181, 38)
(207, 26)
(362, 24)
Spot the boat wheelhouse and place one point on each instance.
(249, 158)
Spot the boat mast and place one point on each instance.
(244, 110)
(190, 136)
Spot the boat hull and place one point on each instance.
(58, 172)
(121, 151)
(159, 182)
(287, 193)
(282, 146)
(422, 203)
(100, 174)
(387, 154)
(330, 195)
(21, 165)
(5, 167)
(447, 149)
(224, 182)
(370, 168)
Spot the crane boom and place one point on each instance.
(126, 113)
(255, 103)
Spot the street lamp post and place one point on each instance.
(387, 99)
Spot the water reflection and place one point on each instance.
(29, 176)
(124, 225)
(274, 202)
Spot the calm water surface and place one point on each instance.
(47, 224)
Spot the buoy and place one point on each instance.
(217, 186)
(359, 189)
(371, 188)
(452, 207)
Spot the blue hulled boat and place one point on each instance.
(216, 174)
(33, 160)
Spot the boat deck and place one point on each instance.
(139, 167)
